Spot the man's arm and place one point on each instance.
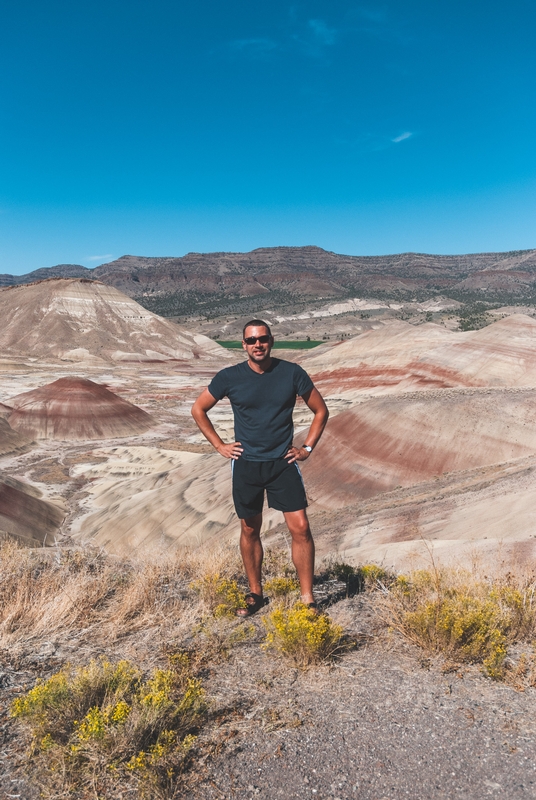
(314, 400)
(202, 405)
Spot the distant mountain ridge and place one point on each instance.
(199, 281)
(59, 271)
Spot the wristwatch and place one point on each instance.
(307, 447)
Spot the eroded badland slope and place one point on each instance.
(428, 459)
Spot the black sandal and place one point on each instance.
(251, 608)
(313, 607)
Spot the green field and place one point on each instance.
(283, 345)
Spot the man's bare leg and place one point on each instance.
(303, 551)
(252, 552)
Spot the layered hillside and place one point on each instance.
(425, 414)
(402, 357)
(86, 321)
(75, 408)
(393, 441)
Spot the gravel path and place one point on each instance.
(383, 724)
(381, 727)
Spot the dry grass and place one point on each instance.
(101, 601)
(69, 613)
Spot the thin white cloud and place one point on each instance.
(98, 258)
(402, 137)
(322, 33)
(310, 38)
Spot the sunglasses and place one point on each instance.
(254, 339)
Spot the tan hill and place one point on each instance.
(75, 408)
(502, 354)
(80, 320)
(387, 358)
(395, 341)
(400, 441)
(373, 449)
(401, 357)
(483, 516)
(163, 500)
(26, 516)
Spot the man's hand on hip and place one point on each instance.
(233, 450)
(297, 454)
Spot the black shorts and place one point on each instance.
(282, 481)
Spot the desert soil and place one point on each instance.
(382, 723)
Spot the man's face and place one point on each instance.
(259, 351)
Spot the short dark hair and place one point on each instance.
(257, 323)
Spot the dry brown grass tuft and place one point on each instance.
(101, 602)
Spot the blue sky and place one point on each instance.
(159, 128)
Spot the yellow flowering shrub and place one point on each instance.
(469, 620)
(222, 595)
(105, 716)
(157, 691)
(281, 586)
(303, 636)
(44, 700)
(98, 722)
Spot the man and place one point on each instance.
(263, 392)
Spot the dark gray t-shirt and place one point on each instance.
(262, 405)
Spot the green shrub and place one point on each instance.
(301, 635)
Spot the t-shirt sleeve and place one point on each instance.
(218, 385)
(302, 381)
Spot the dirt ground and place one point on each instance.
(382, 723)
